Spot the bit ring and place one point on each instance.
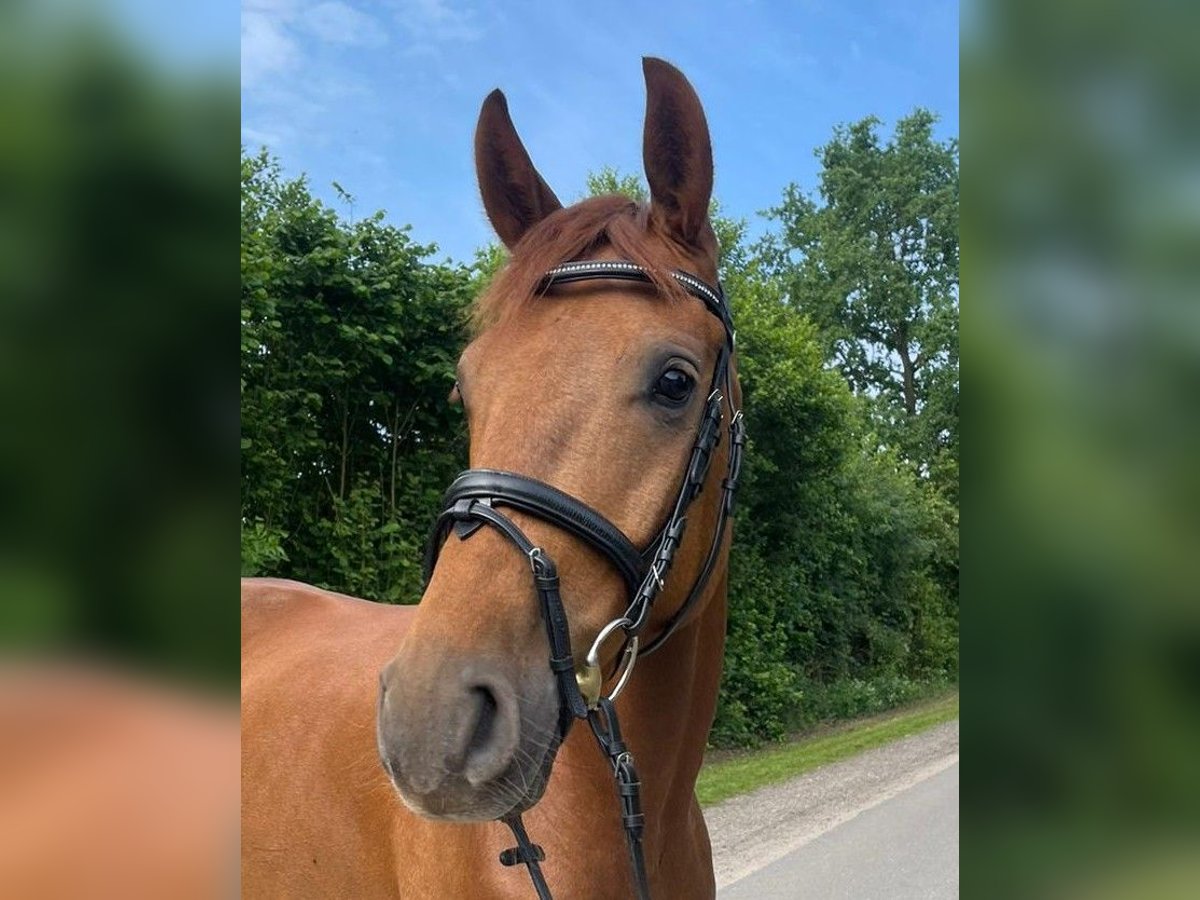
(592, 662)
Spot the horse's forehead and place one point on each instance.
(589, 323)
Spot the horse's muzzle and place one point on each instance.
(461, 746)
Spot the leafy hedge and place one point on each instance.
(349, 341)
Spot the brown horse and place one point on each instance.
(597, 388)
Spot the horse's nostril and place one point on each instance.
(482, 736)
(493, 736)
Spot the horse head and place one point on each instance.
(597, 388)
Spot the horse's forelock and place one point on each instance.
(576, 232)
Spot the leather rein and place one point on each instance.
(476, 498)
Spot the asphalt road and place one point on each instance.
(880, 825)
(906, 848)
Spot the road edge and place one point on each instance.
(752, 830)
(725, 779)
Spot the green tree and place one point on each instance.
(796, 418)
(349, 342)
(874, 264)
(610, 181)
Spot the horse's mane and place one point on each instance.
(575, 232)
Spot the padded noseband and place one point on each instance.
(537, 498)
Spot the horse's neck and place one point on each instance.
(665, 714)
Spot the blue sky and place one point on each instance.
(383, 96)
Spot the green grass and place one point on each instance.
(725, 778)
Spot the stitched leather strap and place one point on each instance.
(606, 728)
(623, 270)
(545, 579)
(729, 486)
(552, 505)
(707, 438)
(528, 853)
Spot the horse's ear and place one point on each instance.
(514, 194)
(677, 152)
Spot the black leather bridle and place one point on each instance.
(477, 497)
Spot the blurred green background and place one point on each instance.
(1081, 491)
(118, 338)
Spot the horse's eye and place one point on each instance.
(674, 387)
